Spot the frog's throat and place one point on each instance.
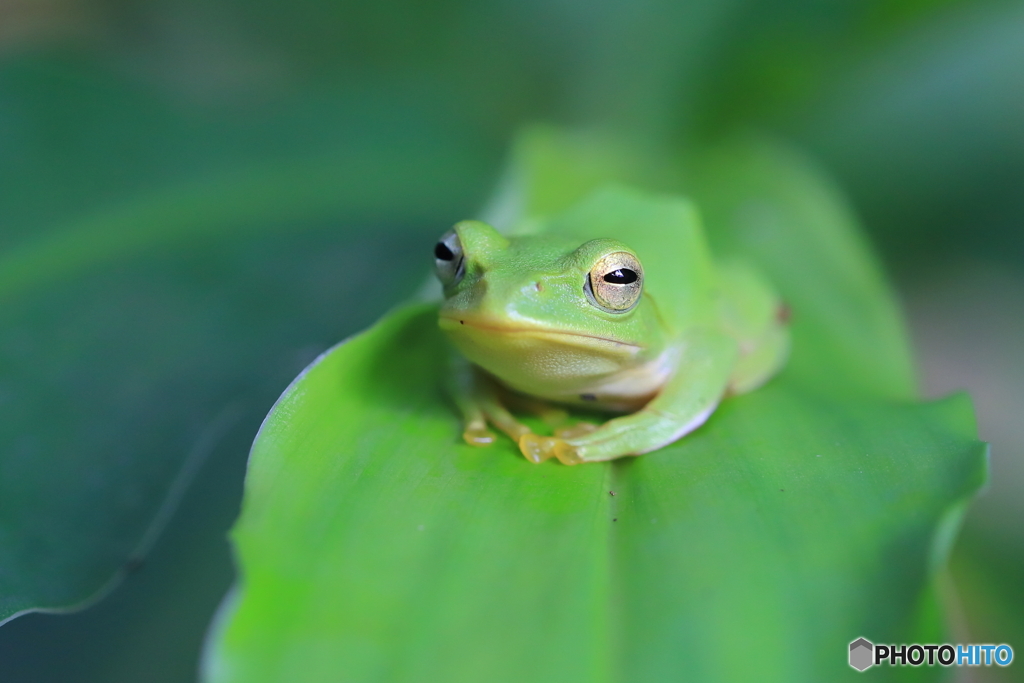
(454, 323)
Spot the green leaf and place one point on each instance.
(118, 382)
(375, 545)
(765, 202)
(137, 331)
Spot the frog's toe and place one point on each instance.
(540, 448)
(478, 435)
(578, 429)
(537, 448)
(568, 454)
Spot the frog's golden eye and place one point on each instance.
(615, 282)
(449, 261)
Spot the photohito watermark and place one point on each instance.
(865, 654)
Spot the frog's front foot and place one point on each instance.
(538, 448)
(477, 434)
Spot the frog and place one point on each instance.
(615, 306)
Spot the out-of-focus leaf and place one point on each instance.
(374, 545)
(772, 61)
(79, 144)
(117, 383)
(924, 133)
(135, 331)
(763, 201)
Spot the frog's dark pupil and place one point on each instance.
(622, 276)
(442, 252)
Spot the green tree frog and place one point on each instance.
(615, 304)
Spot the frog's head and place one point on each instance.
(535, 310)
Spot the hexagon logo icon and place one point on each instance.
(860, 654)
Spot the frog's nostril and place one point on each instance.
(538, 286)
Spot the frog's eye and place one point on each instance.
(448, 259)
(615, 282)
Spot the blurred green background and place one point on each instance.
(196, 198)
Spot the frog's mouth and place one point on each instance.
(454, 324)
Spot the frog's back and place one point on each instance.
(665, 233)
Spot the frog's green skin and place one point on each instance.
(520, 310)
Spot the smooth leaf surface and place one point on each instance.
(374, 545)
